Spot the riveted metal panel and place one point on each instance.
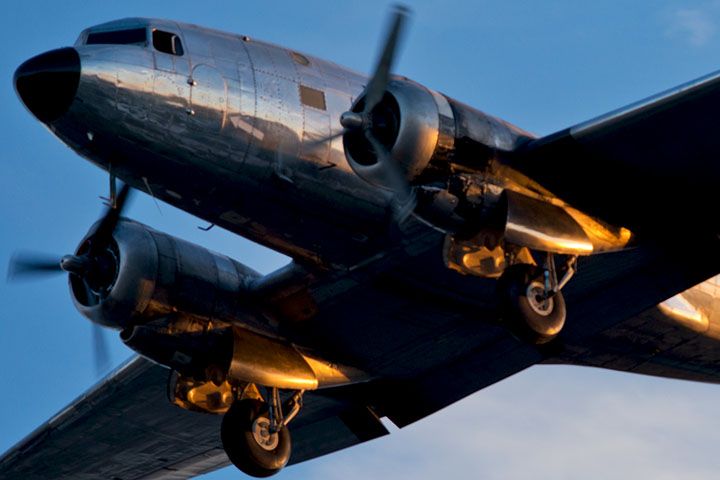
(316, 118)
(170, 87)
(208, 101)
(257, 144)
(278, 121)
(226, 50)
(197, 44)
(134, 70)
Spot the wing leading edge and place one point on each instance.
(125, 428)
(651, 166)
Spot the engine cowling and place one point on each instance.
(152, 275)
(195, 311)
(415, 124)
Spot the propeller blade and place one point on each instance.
(329, 138)
(91, 298)
(377, 85)
(27, 264)
(110, 219)
(101, 357)
(392, 179)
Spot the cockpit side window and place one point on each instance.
(134, 36)
(167, 42)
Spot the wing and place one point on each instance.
(126, 428)
(439, 347)
(651, 166)
(675, 340)
(429, 330)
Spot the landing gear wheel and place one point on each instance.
(527, 312)
(248, 442)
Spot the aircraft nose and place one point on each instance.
(48, 82)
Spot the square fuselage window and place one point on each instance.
(167, 42)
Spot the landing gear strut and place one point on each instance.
(255, 434)
(533, 308)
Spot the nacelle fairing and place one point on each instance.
(429, 135)
(415, 124)
(153, 275)
(195, 311)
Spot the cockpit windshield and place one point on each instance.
(133, 36)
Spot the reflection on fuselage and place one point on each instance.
(221, 132)
(244, 134)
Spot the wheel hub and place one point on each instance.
(262, 435)
(538, 300)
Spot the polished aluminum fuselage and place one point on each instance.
(222, 133)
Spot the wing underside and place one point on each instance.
(437, 348)
(125, 428)
(652, 166)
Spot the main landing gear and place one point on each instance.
(533, 308)
(255, 436)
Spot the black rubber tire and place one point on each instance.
(240, 445)
(519, 317)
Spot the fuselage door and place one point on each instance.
(208, 98)
(208, 109)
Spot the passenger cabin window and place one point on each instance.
(134, 36)
(167, 42)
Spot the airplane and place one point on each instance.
(436, 249)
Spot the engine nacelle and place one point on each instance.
(415, 124)
(194, 311)
(238, 355)
(155, 275)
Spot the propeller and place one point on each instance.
(375, 88)
(93, 267)
(370, 124)
(30, 264)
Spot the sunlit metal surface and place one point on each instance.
(541, 226)
(230, 109)
(685, 313)
(159, 275)
(205, 397)
(266, 361)
(470, 258)
(604, 237)
(247, 135)
(417, 137)
(697, 309)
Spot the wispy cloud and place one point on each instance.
(696, 26)
(593, 424)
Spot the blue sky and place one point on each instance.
(542, 65)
